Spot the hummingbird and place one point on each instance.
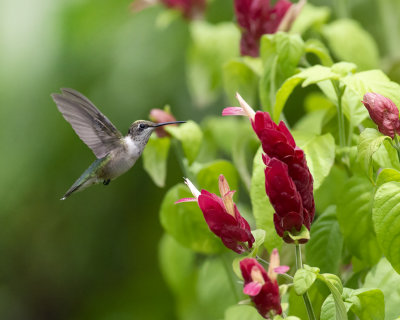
(115, 153)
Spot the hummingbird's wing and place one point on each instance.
(89, 123)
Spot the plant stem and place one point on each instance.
(397, 145)
(342, 133)
(229, 275)
(179, 157)
(306, 298)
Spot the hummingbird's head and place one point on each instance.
(141, 130)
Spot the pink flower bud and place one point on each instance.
(383, 112)
(222, 216)
(263, 291)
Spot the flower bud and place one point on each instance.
(159, 116)
(383, 112)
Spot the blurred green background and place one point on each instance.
(94, 256)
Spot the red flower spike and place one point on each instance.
(383, 112)
(262, 289)
(288, 181)
(257, 17)
(222, 216)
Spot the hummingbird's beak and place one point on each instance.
(165, 123)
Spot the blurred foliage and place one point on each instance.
(94, 256)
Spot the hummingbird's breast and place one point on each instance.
(122, 159)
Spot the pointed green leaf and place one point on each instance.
(334, 285)
(350, 42)
(383, 276)
(190, 135)
(303, 280)
(387, 175)
(386, 218)
(369, 142)
(367, 304)
(155, 157)
(320, 156)
(324, 249)
(185, 222)
(354, 213)
(318, 48)
(262, 209)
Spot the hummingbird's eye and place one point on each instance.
(142, 126)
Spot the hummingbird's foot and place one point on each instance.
(106, 182)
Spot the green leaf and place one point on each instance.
(310, 16)
(334, 285)
(320, 154)
(177, 263)
(386, 218)
(190, 135)
(303, 280)
(324, 249)
(367, 304)
(317, 294)
(354, 213)
(239, 77)
(280, 53)
(383, 276)
(207, 177)
(359, 84)
(312, 75)
(155, 157)
(213, 287)
(350, 42)
(386, 157)
(369, 142)
(318, 48)
(262, 209)
(242, 312)
(387, 175)
(185, 222)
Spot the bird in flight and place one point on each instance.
(115, 153)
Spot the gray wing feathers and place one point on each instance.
(89, 123)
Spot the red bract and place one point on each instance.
(159, 116)
(190, 8)
(258, 17)
(288, 181)
(383, 112)
(262, 287)
(222, 216)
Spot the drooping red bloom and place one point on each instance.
(262, 287)
(258, 17)
(288, 181)
(383, 112)
(159, 116)
(222, 216)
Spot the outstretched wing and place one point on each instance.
(89, 123)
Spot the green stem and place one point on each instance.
(306, 298)
(230, 279)
(342, 133)
(179, 157)
(396, 145)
